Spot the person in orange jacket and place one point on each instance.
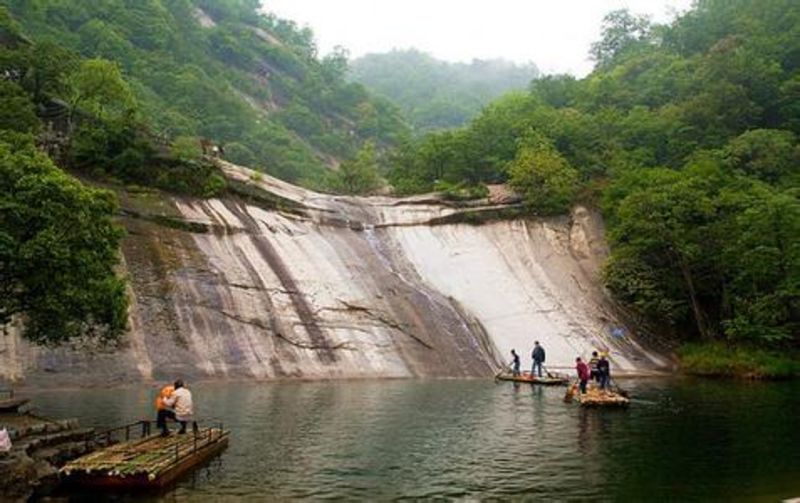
(163, 410)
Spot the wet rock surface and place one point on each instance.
(40, 446)
(276, 281)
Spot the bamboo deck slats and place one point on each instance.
(148, 460)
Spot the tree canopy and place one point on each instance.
(687, 133)
(58, 250)
(222, 70)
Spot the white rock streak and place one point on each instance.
(342, 287)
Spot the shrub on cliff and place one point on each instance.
(543, 177)
(359, 176)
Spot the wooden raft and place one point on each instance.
(595, 397)
(598, 398)
(551, 380)
(151, 462)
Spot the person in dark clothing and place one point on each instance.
(595, 375)
(538, 359)
(604, 371)
(583, 373)
(515, 362)
(163, 411)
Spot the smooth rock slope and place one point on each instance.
(276, 281)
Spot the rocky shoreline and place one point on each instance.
(40, 446)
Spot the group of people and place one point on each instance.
(175, 402)
(598, 369)
(537, 355)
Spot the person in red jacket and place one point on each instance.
(583, 373)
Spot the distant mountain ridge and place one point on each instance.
(437, 94)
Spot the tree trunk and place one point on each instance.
(698, 313)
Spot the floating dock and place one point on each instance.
(147, 463)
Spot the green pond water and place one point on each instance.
(681, 440)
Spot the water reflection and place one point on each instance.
(420, 439)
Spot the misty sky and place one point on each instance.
(554, 34)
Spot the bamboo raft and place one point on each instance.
(595, 397)
(549, 380)
(150, 462)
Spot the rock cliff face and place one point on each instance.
(281, 282)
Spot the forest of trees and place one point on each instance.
(223, 70)
(436, 94)
(686, 135)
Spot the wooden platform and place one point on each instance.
(527, 378)
(151, 462)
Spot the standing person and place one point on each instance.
(515, 362)
(164, 412)
(583, 373)
(181, 401)
(594, 374)
(538, 358)
(604, 371)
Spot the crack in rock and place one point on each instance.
(347, 345)
(378, 316)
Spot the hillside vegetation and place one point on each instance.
(686, 135)
(127, 92)
(436, 94)
(222, 70)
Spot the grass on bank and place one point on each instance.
(722, 360)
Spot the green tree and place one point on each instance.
(768, 154)
(240, 154)
(98, 86)
(58, 250)
(49, 63)
(621, 31)
(187, 148)
(359, 176)
(542, 176)
(662, 241)
(17, 112)
(762, 260)
(10, 30)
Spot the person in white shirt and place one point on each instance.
(181, 403)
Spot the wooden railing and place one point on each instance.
(143, 429)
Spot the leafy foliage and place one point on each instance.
(688, 133)
(221, 70)
(725, 360)
(17, 111)
(543, 177)
(98, 87)
(58, 250)
(359, 176)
